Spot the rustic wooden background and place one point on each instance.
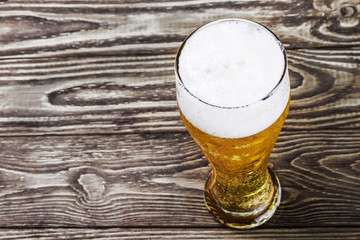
(92, 145)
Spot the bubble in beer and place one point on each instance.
(230, 74)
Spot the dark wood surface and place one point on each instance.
(92, 145)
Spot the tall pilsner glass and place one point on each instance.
(233, 94)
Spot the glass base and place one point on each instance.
(244, 220)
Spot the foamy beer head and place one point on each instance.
(232, 78)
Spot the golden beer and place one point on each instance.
(240, 182)
(241, 191)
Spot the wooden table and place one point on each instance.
(92, 145)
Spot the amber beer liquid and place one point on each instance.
(233, 95)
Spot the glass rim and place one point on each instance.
(231, 19)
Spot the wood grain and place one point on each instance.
(92, 145)
(41, 28)
(133, 94)
(140, 180)
(179, 233)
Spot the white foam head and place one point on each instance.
(232, 78)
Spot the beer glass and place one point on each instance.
(233, 95)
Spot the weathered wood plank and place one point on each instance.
(41, 28)
(137, 93)
(176, 233)
(157, 180)
(106, 67)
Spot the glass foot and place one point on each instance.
(244, 220)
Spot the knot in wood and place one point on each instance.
(93, 185)
(348, 11)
